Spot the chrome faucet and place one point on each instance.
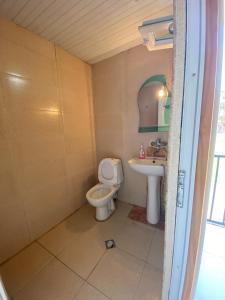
(158, 144)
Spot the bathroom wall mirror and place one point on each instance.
(154, 105)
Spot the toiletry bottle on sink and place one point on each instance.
(142, 152)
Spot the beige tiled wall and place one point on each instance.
(116, 82)
(47, 150)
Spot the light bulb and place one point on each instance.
(161, 93)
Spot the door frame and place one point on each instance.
(192, 98)
(3, 294)
(206, 199)
(198, 101)
(206, 143)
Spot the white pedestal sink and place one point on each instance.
(154, 169)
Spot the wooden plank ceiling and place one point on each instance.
(90, 29)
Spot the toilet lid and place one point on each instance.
(107, 170)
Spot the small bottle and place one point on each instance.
(142, 152)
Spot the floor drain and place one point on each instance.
(110, 244)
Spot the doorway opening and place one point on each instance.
(211, 276)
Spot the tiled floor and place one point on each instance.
(71, 262)
(138, 214)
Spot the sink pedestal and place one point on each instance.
(153, 201)
(154, 169)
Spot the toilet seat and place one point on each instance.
(101, 196)
(100, 193)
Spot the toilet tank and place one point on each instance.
(110, 171)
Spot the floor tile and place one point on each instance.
(122, 210)
(84, 218)
(88, 292)
(56, 239)
(53, 282)
(117, 275)
(82, 255)
(138, 214)
(79, 254)
(19, 270)
(150, 285)
(109, 229)
(135, 239)
(156, 252)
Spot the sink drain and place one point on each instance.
(109, 244)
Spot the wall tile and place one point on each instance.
(46, 136)
(26, 151)
(74, 80)
(79, 184)
(25, 38)
(5, 130)
(7, 182)
(79, 144)
(13, 59)
(25, 94)
(78, 162)
(13, 227)
(12, 217)
(40, 174)
(108, 84)
(36, 124)
(116, 82)
(19, 61)
(109, 123)
(46, 207)
(109, 145)
(74, 101)
(69, 61)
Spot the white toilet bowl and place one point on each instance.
(101, 195)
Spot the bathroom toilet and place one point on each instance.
(101, 196)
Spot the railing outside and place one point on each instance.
(216, 211)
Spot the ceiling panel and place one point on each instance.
(10, 8)
(31, 10)
(124, 31)
(90, 29)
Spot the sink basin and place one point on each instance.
(147, 166)
(153, 168)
